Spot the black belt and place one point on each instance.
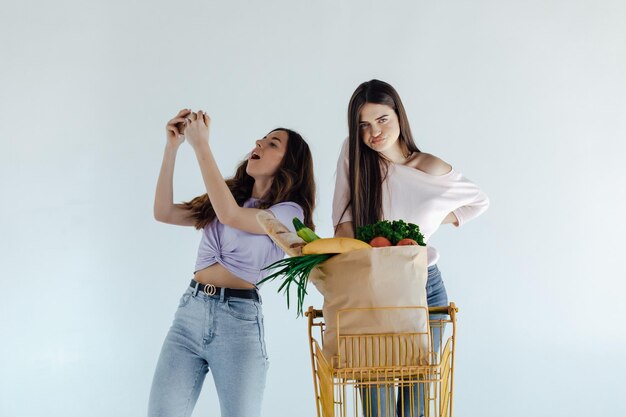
(210, 289)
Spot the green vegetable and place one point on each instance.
(395, 231)
(304, 232)
(296, 271)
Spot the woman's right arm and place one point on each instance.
(342, 216)
(164, 208)
(344, 230)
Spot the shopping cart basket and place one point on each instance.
(385, 374)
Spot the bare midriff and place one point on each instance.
(219, 276)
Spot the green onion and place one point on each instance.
(296, 271)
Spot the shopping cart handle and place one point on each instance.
(442, 309)
(314, 313)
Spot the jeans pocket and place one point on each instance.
(184, 300)
(242, 309)
(436, 294)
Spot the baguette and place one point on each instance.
(333, 245)
(288, 241)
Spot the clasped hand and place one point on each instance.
(193, 126)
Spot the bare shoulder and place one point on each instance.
(429, 164)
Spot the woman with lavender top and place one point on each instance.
(218, 326)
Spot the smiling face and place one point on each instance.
(267, 155)
(379, 128)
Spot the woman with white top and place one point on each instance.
(382, 175)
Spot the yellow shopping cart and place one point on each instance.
(385, 374)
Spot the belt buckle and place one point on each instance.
(209, 289)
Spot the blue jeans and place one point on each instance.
(224, 336)
(410, 402)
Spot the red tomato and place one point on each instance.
(406, 242)
(379, 242)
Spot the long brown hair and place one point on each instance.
(368, 169)
(293, 181)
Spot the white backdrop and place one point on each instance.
(526, 98)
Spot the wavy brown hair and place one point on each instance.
(368, 169)
(293, 181)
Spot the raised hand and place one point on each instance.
(175, 128)
(197, 128)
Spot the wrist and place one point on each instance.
(172, 147)
(202, 146)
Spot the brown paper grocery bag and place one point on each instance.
(363, 291)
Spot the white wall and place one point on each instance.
(527, 98)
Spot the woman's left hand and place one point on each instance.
(197, 130)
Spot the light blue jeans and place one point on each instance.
(410, 402)
(224, 336)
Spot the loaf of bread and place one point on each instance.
(288, 241)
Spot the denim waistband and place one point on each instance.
(223, 294)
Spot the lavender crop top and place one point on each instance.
(242, 253)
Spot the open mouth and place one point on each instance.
(254, 156)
